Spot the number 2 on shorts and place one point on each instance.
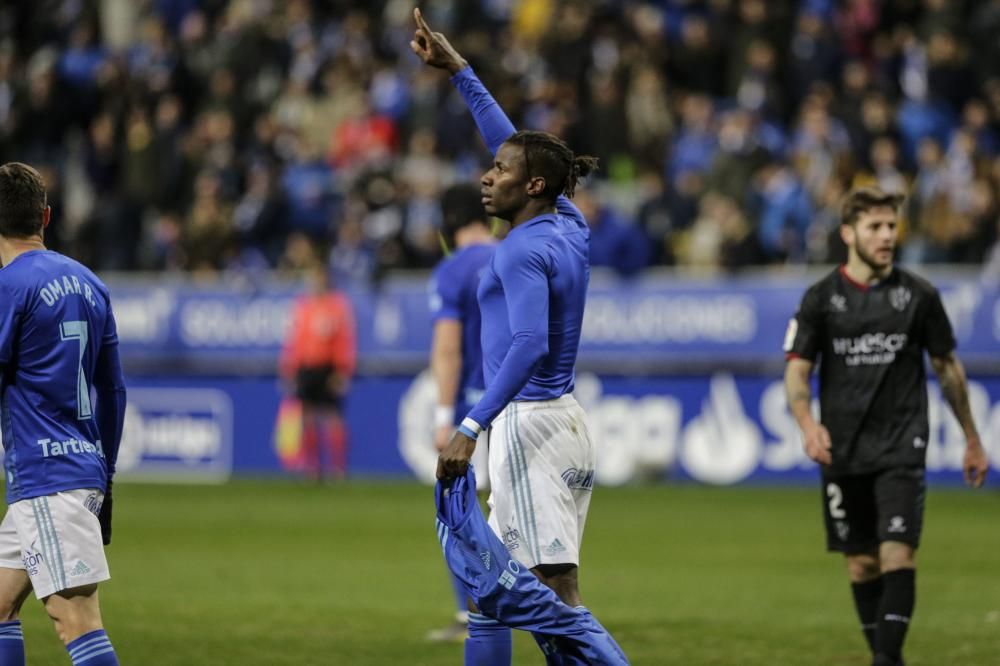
(836, 496)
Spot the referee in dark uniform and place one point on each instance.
(868, 324)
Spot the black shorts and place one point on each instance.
(862, 511)
(312, 387)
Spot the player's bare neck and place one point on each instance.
(12, 248)
(533, 209)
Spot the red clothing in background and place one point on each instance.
(322, 335)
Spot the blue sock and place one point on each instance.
(92, 649)
(488, 644)
(11, 644)
(461, 596)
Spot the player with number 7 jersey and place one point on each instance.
(57, 336)
(58, 348)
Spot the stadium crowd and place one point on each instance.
(238, 135)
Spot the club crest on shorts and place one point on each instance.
(509, 577)
(843, 530)
(899, 297)
(897, 525)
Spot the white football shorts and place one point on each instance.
(542, 473)
(56, 539)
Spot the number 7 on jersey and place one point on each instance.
(77, 330)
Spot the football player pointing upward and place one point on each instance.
(531, 298)
(868, 325)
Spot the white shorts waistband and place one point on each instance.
(564, 401)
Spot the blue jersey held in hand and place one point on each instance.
(506, 591)
(62, 393)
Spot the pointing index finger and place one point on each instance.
(421, 23)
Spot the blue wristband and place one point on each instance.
(470, 428)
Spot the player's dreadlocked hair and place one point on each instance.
(22, 200)
(862, 199)
(548, 156)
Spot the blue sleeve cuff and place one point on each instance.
(463, 73)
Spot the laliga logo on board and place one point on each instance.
(177, 430)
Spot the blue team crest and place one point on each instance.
(899, 297)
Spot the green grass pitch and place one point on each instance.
(275, 572)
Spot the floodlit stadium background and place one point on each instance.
(197, 152)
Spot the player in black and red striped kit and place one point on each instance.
(868, 325)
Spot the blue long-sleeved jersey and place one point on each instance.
(533, 293)
(58, 341)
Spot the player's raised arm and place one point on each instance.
(955, 387)
(435, 50)
(494, 125)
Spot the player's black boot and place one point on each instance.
(883, 660)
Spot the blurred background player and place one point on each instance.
(318, 362)
(532, 299)
(58, 345)
(456, 351)
(870, 322)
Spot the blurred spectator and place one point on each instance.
(615, 243)
(648, 127)
(607, 125)
(721, 237)
(814, 54)
(758, 88)
(740, 154)
(783, 210)
(820, 146)
(657, 218)
(698, 57)
(695, 142)
(352, 259)
(208, 230)
(310, 188)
